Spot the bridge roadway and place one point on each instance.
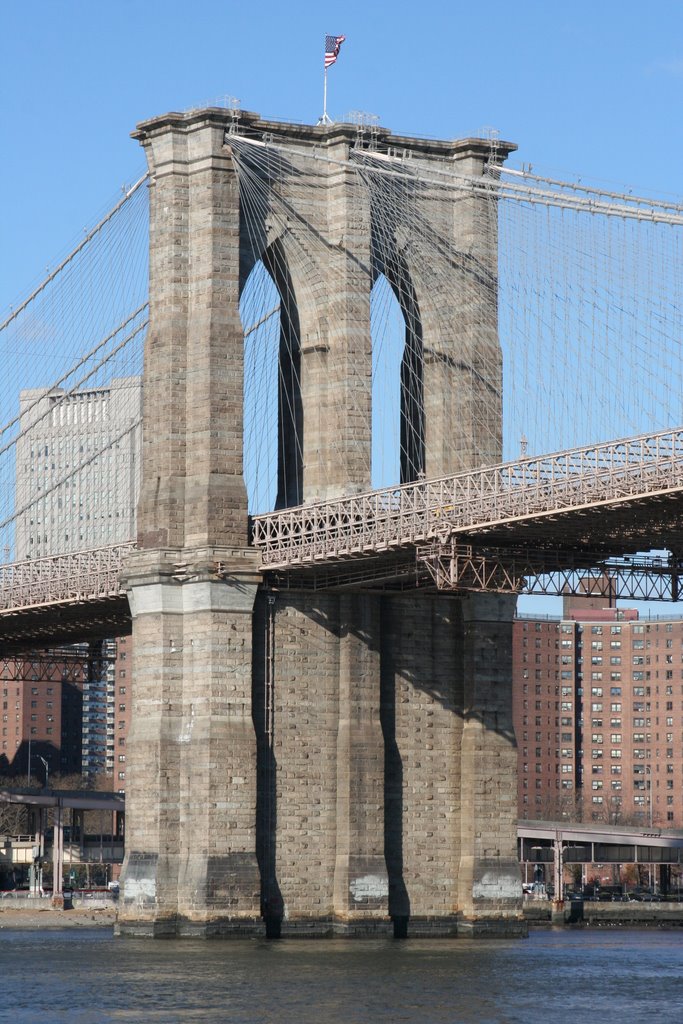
(574, 507)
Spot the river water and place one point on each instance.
(556, 976)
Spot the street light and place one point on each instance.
(46, 767)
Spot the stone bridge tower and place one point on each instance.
(309, 762)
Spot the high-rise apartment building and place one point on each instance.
(598, 710)
(121, 711)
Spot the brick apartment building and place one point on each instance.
(598, 716)
(69, 708)
(42, 714)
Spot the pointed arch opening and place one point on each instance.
(398, 446)
(273, 421)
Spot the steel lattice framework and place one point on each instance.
(537, 525)
(63, 598)
(83, 576)
(508, 502)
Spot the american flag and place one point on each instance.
(332, 45)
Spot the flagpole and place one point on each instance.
(332, 44)
(325, 119)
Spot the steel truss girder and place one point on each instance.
(69, 578)
(69, 666)
(531, 494)
(457, 567)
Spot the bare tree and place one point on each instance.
(13, 819)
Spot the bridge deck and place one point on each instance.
(616, 498)
(603, 495)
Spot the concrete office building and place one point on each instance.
(74, 495)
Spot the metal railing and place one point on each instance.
(397, 517)
(78, 576)
(393, 518)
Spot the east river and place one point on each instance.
(556, 976)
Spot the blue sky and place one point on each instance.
(587, 88)
(590, 89)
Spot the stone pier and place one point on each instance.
(310, 763)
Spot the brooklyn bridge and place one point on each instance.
(305, 412)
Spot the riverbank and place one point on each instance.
(47, 917)
(626, 915)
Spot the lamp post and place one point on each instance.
(559, 888)
(47, 769)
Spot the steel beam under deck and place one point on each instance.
(65, 623)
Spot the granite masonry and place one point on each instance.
(305, 763)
